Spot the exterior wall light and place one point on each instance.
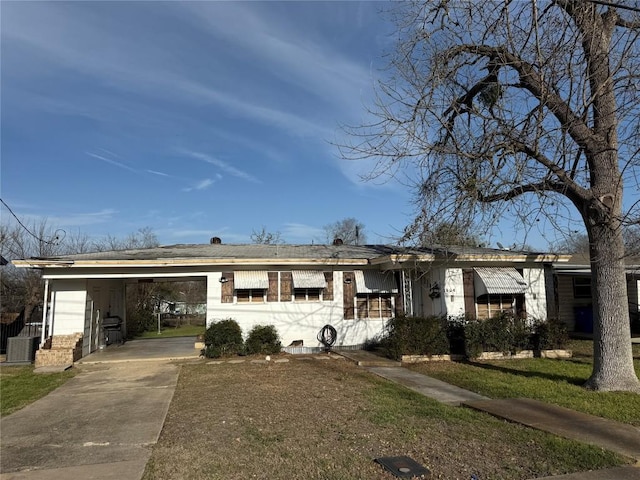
(434, 291)
(224, 279)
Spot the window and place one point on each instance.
(250, 295)
(581, 287)
(490, 305)
(307, 294)
(374, 305)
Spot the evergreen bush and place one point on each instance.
(223, 338)
(263, 339)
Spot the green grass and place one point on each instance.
(19, 386)
(554, 381)
(330, 419)
(182, 331)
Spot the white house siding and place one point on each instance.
(453, 292)
(294, 320)
(535, 295)
(68, 303)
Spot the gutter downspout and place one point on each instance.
(45, 310)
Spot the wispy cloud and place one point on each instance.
(73, 219)
(222, 165)
(301, 233)
(111, 161)
(160, 174)
(201, 185)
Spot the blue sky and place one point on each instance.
(194, 119)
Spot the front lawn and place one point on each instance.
(549, 380)
(19, 386)
(181, 331)
(328, 419)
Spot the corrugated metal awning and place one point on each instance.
(250, 279)
(308, 279)
(375, 281)
(498, 280)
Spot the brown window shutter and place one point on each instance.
(286, 283)
(227, 288)
(327, 293)
(349, 289)
(469, 293)
(272, 292)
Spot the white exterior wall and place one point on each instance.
(294, 320)
(68, 303)
(453, 292)
(535, 297)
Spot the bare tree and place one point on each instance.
(575, 243)
(527, 109)
(448, 234)
(349, 230)
(144, 237)
(265, 237)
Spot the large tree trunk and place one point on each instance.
(613, 358)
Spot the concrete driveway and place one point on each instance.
(153, 349)
(100, 425)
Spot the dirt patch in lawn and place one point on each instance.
(330, 420)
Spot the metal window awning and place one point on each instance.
(308, 279)
(250, 279)
(495, 281)
(375, 281)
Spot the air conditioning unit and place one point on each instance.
(22, 349)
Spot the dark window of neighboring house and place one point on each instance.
(250, 295)
(582, 287)
(307, 294)
(490, 305)
(374, 305)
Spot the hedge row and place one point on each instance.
(224, 338)
(437, 335)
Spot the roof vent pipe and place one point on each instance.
(215, 241)
(337, 241)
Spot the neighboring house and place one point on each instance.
(572, 280)
(301, 288)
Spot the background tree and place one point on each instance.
(349, 230)
(265, 237)
(525, 109)
(448, 234)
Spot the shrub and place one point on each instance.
(500, 333)
(416, 336)
(140, 320)
(263, 339)
(550, 335)
(456, 334)
(223, 338)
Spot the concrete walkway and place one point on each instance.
(99, 425)
(427, 386)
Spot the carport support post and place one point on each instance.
(159, 332)
(44, 312)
